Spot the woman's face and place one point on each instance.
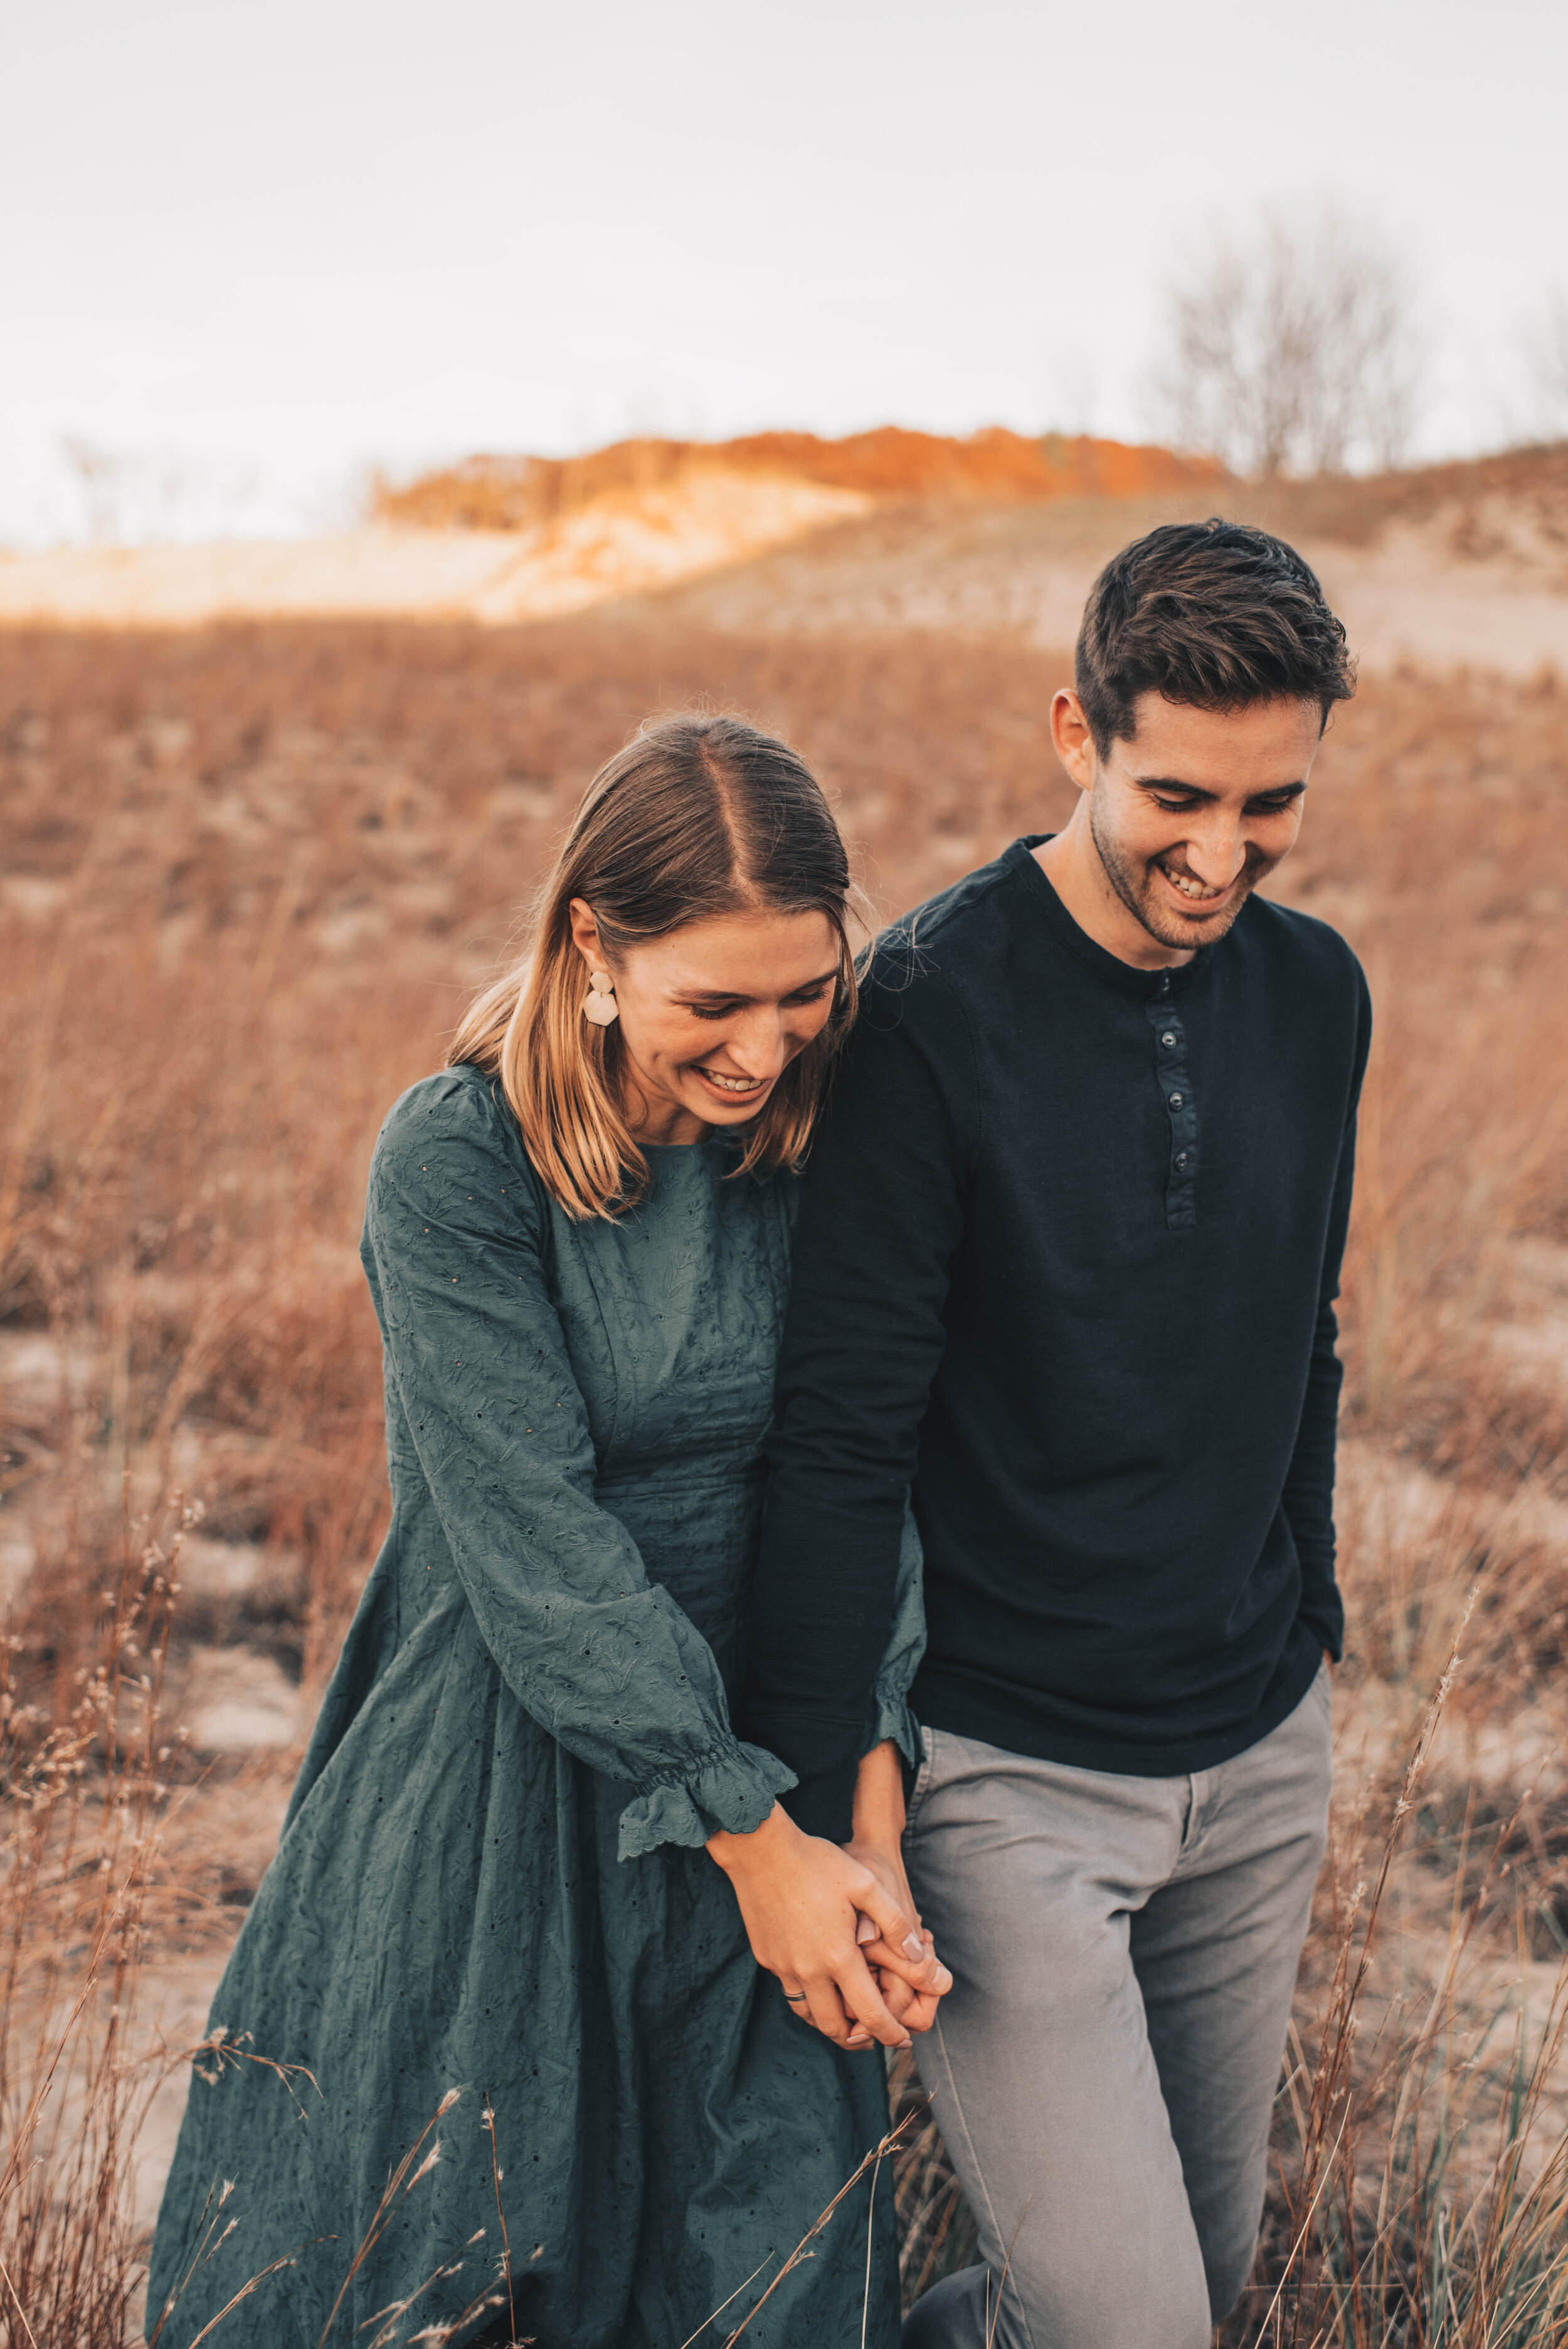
(712, 1014)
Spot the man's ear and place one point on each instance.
(1070, 734)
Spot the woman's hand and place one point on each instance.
(801, 1900)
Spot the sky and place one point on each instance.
(248, 254)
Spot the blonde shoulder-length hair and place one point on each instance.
(698, 815)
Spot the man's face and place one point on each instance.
(1195, 809)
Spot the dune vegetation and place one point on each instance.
(251, 874)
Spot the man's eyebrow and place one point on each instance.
(1197, 790)
(1172, 783)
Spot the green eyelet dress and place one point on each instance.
(492, 1877)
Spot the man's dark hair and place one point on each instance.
(1212, 614)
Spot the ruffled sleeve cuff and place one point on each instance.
(734, 1786)
(891, 1715)
(892, 1718)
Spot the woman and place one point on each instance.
(492, 1877)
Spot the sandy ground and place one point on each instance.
(622, 545)
(753, 553)
(1411, 596)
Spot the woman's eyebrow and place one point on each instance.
(738, 995)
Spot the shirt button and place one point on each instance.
(1175, 1101)
(1180, 1158)
(1168, 1039)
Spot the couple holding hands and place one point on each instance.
(861, 1567)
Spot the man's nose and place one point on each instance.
(1217, 854)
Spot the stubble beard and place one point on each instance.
(1128, 876)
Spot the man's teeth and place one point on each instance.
(1187, 887)
(732, 1085)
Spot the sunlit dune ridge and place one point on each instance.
(1003, 467)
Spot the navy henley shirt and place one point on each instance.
(1069, 1244)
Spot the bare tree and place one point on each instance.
(155, 497)
(1546, 354)
(101, 473)
(1294, 348)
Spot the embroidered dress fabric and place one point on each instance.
(492, 1877)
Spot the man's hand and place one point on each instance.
(801, 1900)
(911, 2002)
(877, 1844)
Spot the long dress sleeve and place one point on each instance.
(456, 1240)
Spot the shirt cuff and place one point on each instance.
(733, 1787)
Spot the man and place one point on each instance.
(1069, 1246)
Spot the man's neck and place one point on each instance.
(1071, 864)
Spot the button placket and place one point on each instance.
(1180, 1110)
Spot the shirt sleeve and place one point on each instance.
(1308, 1494)
(881, 1215)
(605, 1661)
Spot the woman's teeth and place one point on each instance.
(732, 1085)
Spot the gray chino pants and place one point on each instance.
(1123, 1952)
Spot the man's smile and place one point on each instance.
(1190, 887)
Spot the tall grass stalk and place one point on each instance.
(1422, 2193)
(82, 1798)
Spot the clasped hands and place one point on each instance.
(836, 1922)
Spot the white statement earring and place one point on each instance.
(599, 1006)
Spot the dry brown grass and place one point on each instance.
(81, 1797)
(250, 877)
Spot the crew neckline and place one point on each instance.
(1127, 977)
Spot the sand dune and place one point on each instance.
(623, 544)
(1461, 566)
(1405, 598)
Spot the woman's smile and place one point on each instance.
(733, 1088)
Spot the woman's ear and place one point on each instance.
(585, 933)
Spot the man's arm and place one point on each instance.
(882, 1215)
(1308, 1496)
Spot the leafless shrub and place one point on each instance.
(1293, 346)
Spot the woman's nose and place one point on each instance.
(760, 1044)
